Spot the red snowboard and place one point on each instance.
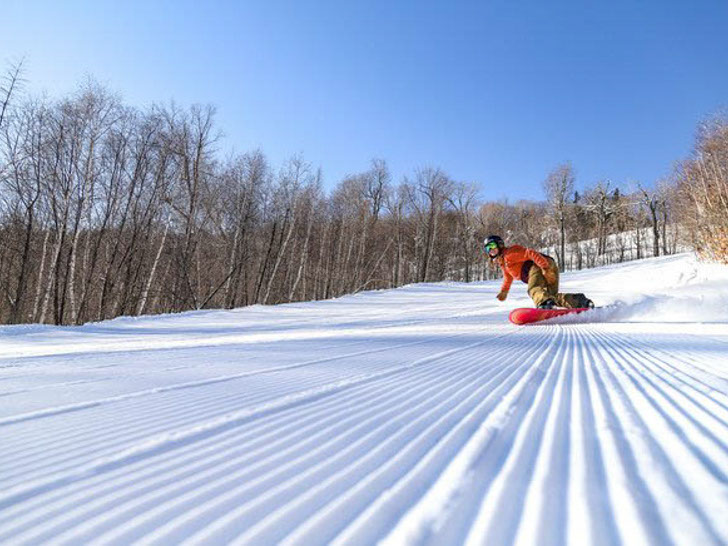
(527, 315)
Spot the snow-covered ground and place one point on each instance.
(409, 416)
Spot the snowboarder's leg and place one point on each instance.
(571, 301)
(541, 290)
(538, 288)
(574, 301)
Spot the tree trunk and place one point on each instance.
(17, 306)
(150, 279)
(279, 256)
(39, 282)
(53, 270)
(264, 264)
(304, 255)
(655, 230)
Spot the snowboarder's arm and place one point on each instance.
(507, 280)
(537, 258)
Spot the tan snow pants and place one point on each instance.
(540, 290)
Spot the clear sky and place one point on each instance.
(497, 92)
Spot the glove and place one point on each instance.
(502, 295)
(550, 276)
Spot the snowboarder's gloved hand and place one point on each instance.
(550, 276)
(502, 295)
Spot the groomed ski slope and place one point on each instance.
(409, 416)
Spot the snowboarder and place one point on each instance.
(537, 270)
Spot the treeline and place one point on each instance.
(701, 184)
(108, 210)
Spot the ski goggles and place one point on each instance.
(490, 246)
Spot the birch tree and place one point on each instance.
(559, 186)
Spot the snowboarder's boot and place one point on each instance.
(548, 304)
(584, 302)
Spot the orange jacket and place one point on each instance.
(513, 258)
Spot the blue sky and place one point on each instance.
(495, 92)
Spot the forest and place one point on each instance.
(109, 210)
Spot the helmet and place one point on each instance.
(491, 242)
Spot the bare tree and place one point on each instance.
(559, 186)
(462, 201)
(9, 85)
(396, 205)
(601, 206)
(190, 139)
(295, 175)
(23, 181)
(702, 183)
(311, 195)
(651, 199)
(428, 195)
